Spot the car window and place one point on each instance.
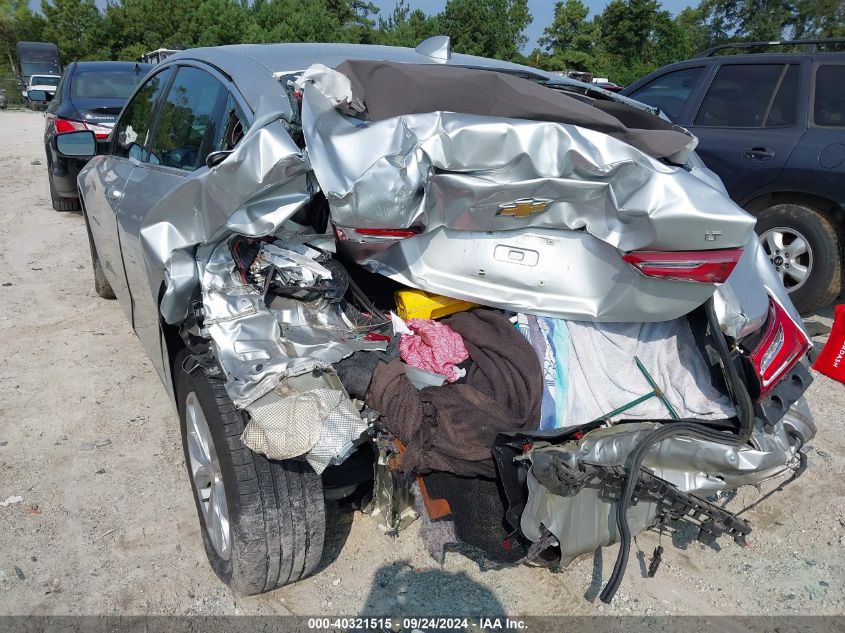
(234, 126)
(134, 125)
(57, 98)
(829, 102)
(782, 111)
(743, 95)
(669, 92)
(105, 84)
(190, 121)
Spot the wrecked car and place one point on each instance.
(510, 305)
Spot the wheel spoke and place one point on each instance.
(797, 272)
(197, 452)
(797, 247)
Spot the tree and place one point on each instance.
(17, 23)
(492, 28)
(71, 25)
(570, 38)
(404, 27)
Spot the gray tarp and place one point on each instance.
(389, 89)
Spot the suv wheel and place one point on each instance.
(262, 521)
(803, 246)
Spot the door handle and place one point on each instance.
(759, 153)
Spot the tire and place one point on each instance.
(101, 285)
(822, 257)
(59, 203)
(276, 511)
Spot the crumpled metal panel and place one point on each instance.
(449, 175)
(256, 345)
(254, 192)
(586, 520)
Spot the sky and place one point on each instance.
(542, 10)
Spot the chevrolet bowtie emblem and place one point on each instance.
(523, 207)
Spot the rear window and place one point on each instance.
(829, 102)
(105, 84)
(751, 95)
(40, 80)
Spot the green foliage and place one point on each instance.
(628, 39)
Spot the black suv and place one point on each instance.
(772, 126)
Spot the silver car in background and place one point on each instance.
(257, 206)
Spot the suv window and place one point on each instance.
(829, 101)
(190, 120)
(134, 126)
(750, 95)
(669, 92)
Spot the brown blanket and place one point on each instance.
(452, 428)
(391, 89)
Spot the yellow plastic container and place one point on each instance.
(417, 304)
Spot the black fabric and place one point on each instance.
(478, 514)
(452, 428)
(391, 89)
(356, 371)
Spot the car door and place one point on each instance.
(817, 165)
(102, 204)
(188, 126)
(747, 123)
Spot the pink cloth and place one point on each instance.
(434, 347)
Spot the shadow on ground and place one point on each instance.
(401, 590)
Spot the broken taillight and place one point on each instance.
(347, 233)
(704, 266)
(783, 344)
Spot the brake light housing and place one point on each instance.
(343, 234)
(64, 126)
(698, 266)
(781, 347)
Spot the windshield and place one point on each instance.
(39, 68)
(44, 80)
(105, 84)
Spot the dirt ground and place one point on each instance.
(106, 523)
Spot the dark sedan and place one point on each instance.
(89, 97)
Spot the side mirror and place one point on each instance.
(215, 158)
(81, 144)
(39, 96)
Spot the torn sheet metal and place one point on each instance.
(453, 177)
(256, 345)
(254, 192)
(586, 520)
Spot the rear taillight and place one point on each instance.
(783, 344)
(69, 125)
(346, 233)
(703, 266)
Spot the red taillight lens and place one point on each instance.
(782, 346)
(66, 125)
(346, 233)
(704, 266)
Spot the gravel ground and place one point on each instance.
(106, 523)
